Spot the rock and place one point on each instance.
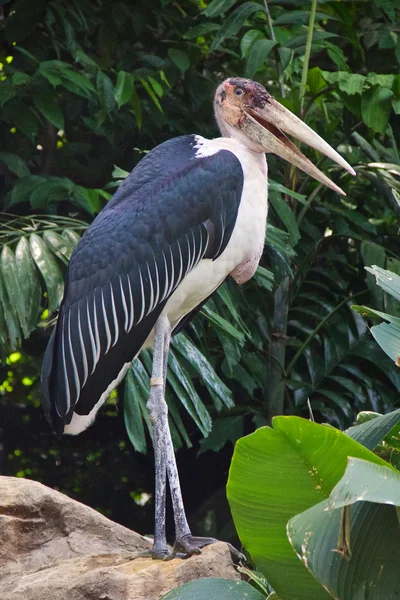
(55, 548)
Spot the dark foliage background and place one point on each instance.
(85, 86)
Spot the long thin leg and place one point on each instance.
(158, 412)
(185, 543)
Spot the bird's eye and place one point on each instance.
(238, 92)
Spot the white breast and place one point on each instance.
(242, 254)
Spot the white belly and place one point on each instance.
(242, 254)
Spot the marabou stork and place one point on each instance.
(191, 213)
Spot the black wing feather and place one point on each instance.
(171, 211)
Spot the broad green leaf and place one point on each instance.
(24, 187)
(124, 88)
(60, 245)
(367, 482)
(363, 561)
(212, 588)
(48, 106)
(375, 108)
(380, 79)
(47, 265)
(29, 283)
(234, 22)
(371, 432)
(387, 280)
(351, 83)
(248, 40)
(71, 236)
(9, 317)
(295, 454)
(387, 336)
(258, 53)
(20, 78)
(179, 58)
(218, 7)
(15, 164)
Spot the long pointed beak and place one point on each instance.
(266, 126)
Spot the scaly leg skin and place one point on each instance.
(185, 543)
(158, 412)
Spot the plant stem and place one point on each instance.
(307, 53)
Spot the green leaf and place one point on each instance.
(248, 40)
(212, 588)
(157, 87)
(387, 280)
(60, 245)
(375, 108)
(30, 288)
(124, 88)
(201, 30)
(180, 59)
(15, 164)
(9, 317)
(152, 95)
(105, 89)
(293, 466)
(198, 361)
(13, 287)
(132, 413)
(387, 336)
(47, 104)
(72, 236)
(341, 547)
(301, 17)
(367, 482)
(224, 430)
(373, 431)
(49, 269)
(288, 218)
(219, 321)
(192, 402)
(218, 7)
(258, 53)
(234, 22)
(348, 565)
(264, 278)
(137, 108)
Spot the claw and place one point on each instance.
(189, 545)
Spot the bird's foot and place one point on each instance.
(159, 552)
(190, 544)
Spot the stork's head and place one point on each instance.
(246, 111)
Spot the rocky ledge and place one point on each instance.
(54, 547)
